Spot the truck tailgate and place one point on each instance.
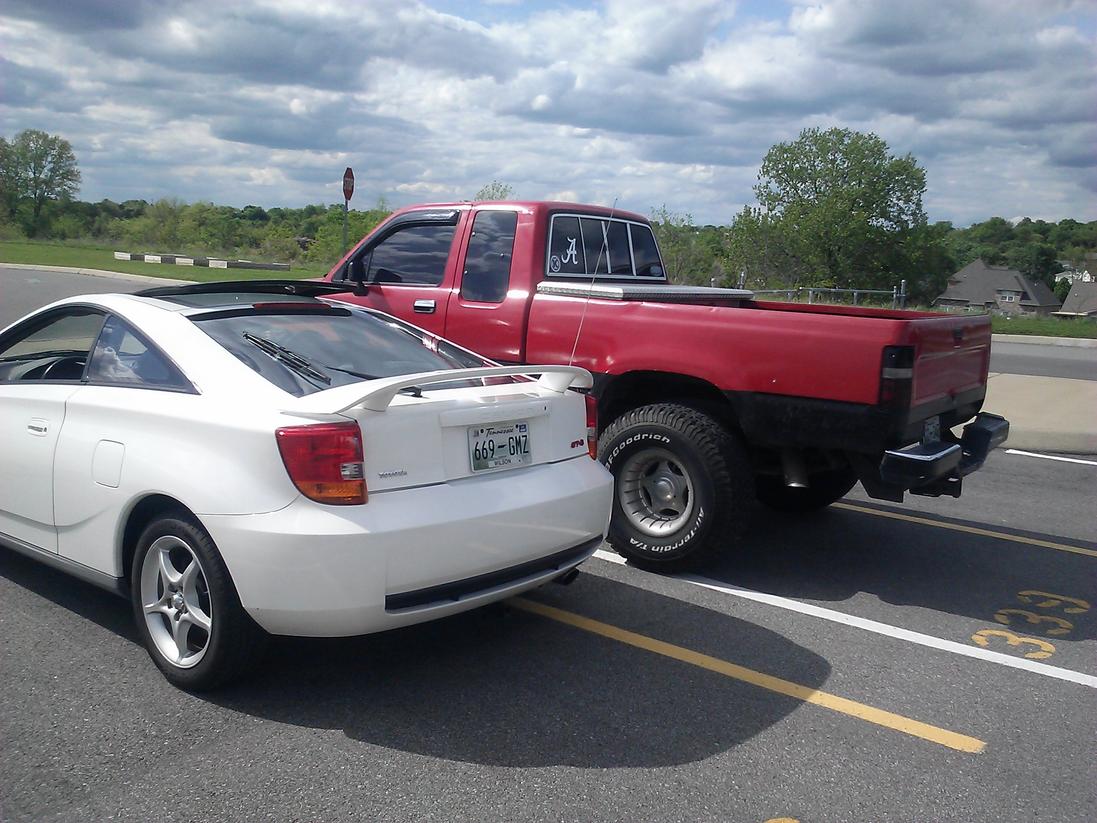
(951, 357)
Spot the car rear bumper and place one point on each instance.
(413, 555)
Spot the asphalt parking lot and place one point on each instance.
(935, 661)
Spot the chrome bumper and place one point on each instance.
(937, 468)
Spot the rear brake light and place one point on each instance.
(325, 461)
(896, 376)
(592, 425)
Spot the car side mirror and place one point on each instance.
(356, 274)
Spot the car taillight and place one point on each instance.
(592, 425)
(896, 376)
(324, 461)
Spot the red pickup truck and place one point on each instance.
(709, 400)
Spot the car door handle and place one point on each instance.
(423, 307)
(38, 427)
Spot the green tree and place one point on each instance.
(676, 236)
(328, 245)
(494, 191)
(43, 167)
(1035, 259)
(11, 185)
(835, 208)
(1062, 289)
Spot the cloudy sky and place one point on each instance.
(644, 103)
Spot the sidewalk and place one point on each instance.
(1052, 414)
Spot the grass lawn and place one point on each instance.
(1048, 326)
(92, 257)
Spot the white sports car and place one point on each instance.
(250, 458)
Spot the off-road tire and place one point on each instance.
(823, 489)
(235, 642)
(721, 485)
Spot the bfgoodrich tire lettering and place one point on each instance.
(186, 608)
(683, 487)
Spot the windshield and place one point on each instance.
(306, 352)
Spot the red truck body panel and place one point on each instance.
(820, 353)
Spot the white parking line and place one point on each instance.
(1052, 457)
(877, 627)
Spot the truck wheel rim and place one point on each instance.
(655, 492)
(176, 602)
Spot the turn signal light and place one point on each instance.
(592, 425)
(324, 462)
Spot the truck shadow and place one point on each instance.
(837, 553)
(497, 686)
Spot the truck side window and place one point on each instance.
(566, 254)
(487, 261)
(414, 255)
(596, 245)
(645, 252)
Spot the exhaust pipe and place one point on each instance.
(567, 578)
(792, 465)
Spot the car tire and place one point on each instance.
(683, 489)
(823, 489)
(186, 608)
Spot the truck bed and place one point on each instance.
(796, 374)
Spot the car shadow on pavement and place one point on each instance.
(499, 685)
(834, 554)
(92, 603)
(502, 687)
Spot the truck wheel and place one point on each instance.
(823, 489)
(683, 487)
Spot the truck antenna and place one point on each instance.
(597, 262)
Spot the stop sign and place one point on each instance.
(348, 183)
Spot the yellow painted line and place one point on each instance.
(925, 521)
(888, 720)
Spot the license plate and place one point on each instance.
(499, 446)
(931, 430)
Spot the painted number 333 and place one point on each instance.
(1052, 625)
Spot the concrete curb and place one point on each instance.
(204, 262)
(120, 275)
(1037, 340)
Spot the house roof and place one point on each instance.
(1081, 300)
(978, 283)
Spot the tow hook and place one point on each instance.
(567, 578)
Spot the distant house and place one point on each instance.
(1081, 302)
(997, 288)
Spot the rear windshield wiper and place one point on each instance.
(289, 357)
(307, 369)
(414, 391)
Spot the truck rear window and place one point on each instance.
(582, 246)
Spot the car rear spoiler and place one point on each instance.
(376, 395)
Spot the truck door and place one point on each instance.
(484, 314)
(410, 268)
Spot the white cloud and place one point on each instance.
(646, 103)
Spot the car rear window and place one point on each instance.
(306, 351)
